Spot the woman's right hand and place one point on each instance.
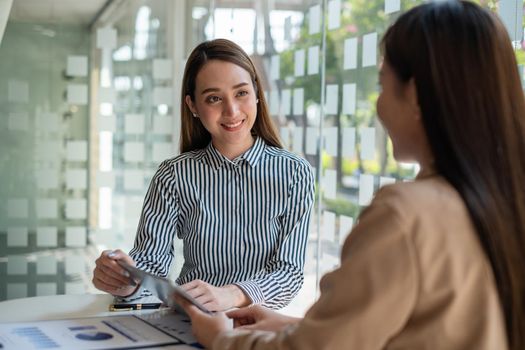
(110, 277)
(258, 317)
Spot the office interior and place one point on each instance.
(89, 107)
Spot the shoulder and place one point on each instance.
(435, 218)
(183, 159)
(429, 213)
(173, 166)
(430, 195)
(425, 210)
(275, 154)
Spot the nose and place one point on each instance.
(230, 107)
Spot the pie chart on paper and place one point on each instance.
(93, 336)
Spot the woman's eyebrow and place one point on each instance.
(214, 89)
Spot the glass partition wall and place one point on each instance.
(89, 112)
(44, 135)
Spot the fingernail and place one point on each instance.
(125, 273)
(112, 254)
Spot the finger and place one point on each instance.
(107, 286)
(192, 284)
(242, 312)
(197, 292)
(212, 305)
(111, 266)
(247, 313)
(187, 306)
(249, 327)
(206, 299)
(239, 322)
(110, 272)
(108, 279)
(118, 254)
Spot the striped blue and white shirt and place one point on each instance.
(242, 222)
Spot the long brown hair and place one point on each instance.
(193, 134)
(473, 111)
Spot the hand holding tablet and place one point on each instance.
(162, 287)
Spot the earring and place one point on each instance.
(257, 101)
(195, 115)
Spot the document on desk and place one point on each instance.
(112, 332)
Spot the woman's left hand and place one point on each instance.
(216, 298)
(205, 327)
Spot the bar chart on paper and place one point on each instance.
(114, 332)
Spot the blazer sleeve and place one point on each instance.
(363, 303)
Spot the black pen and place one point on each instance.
(131, 307)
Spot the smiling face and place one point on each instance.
(226, 104)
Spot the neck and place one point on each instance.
(427, 168)
(232, 151)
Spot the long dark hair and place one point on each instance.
(193, 134)
(472, 104)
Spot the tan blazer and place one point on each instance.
(413, 275)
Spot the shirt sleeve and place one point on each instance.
(364, 303)
(153, 248)
(284, 274)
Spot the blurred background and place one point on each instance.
(89, 107)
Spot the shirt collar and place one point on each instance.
(252, 155)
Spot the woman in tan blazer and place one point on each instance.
(437, 263)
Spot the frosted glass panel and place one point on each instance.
(76, 236)
(134, 151)
(17, 208)
(133, 179)
(77, 94)
(76, 208)
(134, 123)
(106, 38)
(17, 236)
(76, 150)
(46, 236)
(16, 265)
(46, 265)
(43, 289)
(162, 69)
(162, 125)
(77, 66)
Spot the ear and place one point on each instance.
(411, 95)
(190, 104)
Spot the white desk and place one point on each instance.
(56, 307)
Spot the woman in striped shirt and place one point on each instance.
(240, 203)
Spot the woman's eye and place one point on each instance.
(242, 93)
(213, 99)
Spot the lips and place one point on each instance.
(233, 126)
